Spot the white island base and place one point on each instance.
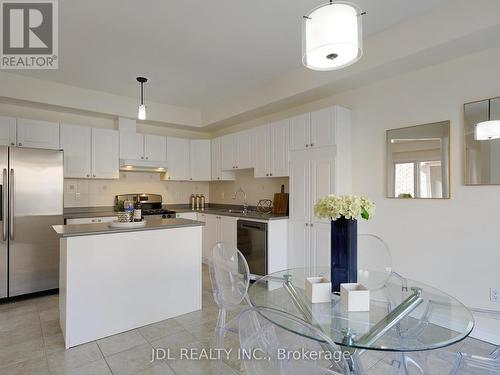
(111, 283)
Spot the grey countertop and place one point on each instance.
(104, 228)
(251, 214)
(211, 209)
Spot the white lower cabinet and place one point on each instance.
(217, 229)
(309, 244)
(187, 215)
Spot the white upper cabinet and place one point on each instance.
(238, 150)
(262, 167)
(76, 143)
(245, 149)
(272, 146)
(316, 129)
(229, 152)
(142, 146)
(217, 173)
(300, 131)
(105, 154)
(131, 145)
(38, 134)
(280, 148)
(155, 147)
(7, 131)
(200, 157)
(323, 127)
(178, 159)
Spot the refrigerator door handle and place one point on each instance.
(11, 204)
(4, 205)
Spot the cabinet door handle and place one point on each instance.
(147, 157)
(142, 157)
(311, 224)
(19, 144)
(312, 144)
(267, 174)
(12, 144)
(93, 175)
(88, 175)
(307, 224)
(307, 145)
(270, 174)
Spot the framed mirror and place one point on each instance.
(482, 142)
(418, 161)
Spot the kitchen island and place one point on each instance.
(113, 280)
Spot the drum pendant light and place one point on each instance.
(141, 114)
(332, 36)
(487, 130)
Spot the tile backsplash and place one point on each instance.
(256, 188)
(94, 193)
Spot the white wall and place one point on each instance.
(452, 244)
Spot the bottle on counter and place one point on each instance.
(198, 201)
(137, 211)
(193, 202)
(203, 202)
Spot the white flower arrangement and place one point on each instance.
(349, 206)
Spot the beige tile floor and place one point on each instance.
(31, 343)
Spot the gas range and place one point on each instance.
(151, 205)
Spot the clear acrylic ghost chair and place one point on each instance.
(230, 277)
(463, 363)
(271, 345)
(374, 261)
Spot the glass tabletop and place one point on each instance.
(404, 315)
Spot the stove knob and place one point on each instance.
(163, 216)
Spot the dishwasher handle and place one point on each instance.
(252, 225)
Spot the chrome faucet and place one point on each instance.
(245, 204)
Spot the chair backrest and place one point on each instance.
(229, 275)
(374, 261)
(272, 343)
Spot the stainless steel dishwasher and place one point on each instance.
(252, 242)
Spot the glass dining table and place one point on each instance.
(404, 315)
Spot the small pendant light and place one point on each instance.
(141, 115)
(332, 36)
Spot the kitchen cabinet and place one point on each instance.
(155, 147)
(272, 146)
(38, 134)
(187, 215)
(219, 229)
(92, 220)
(311, 244)
(105, 154)
(238, 150)
(76, 143)
(90, 152)
(217, 173)
(7, 131)
(178, 159)
(200, 160)
(142, 146)
(318, 128)
(315, 173)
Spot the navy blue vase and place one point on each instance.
(344, 252)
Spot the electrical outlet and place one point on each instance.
(495, 295)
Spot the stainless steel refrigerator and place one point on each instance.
(31, 202)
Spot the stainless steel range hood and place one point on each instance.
(130, 165)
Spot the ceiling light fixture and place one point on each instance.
(141, 115)
(332, 36)
(486, 130)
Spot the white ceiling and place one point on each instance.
(194, 52)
